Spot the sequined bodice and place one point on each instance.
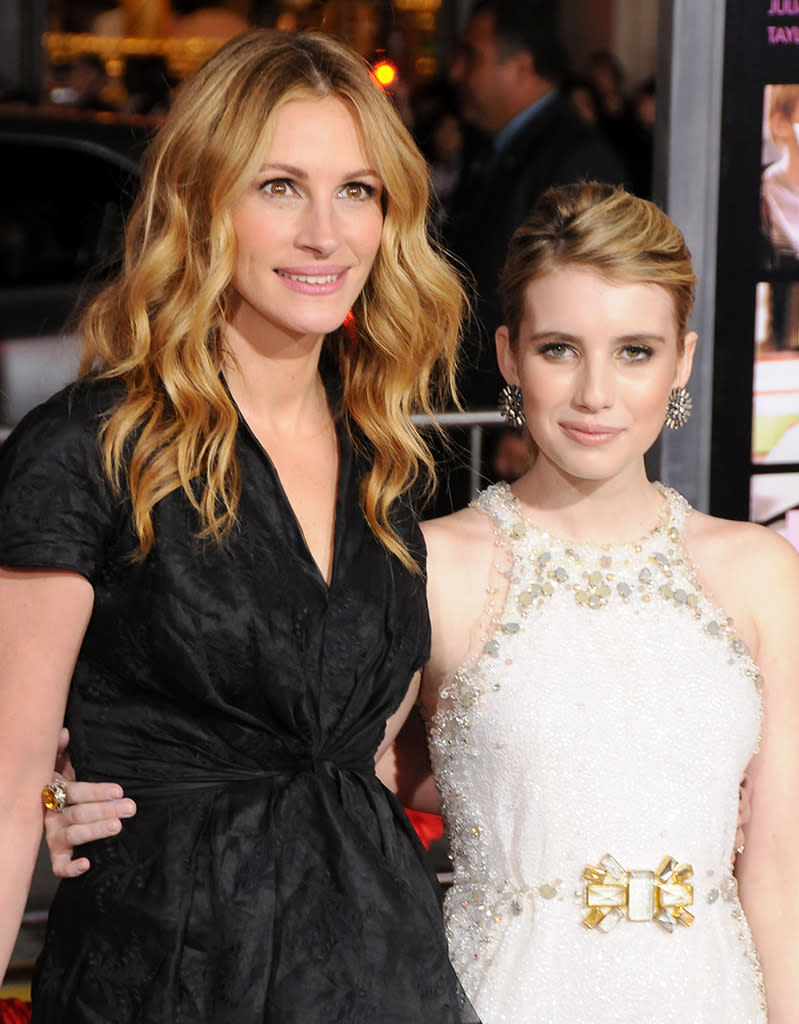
(611, 710)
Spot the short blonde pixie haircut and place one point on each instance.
(160, 325)
(607, 230)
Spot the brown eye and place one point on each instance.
(276, 187)
(358, 190)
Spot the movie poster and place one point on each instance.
(755, 457)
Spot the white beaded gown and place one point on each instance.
(588, 761)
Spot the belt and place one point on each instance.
(607, 895)
(662, 896)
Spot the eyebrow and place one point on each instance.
(629, 339)
(299, 173)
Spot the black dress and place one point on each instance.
(268, 875)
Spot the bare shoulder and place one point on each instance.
(452, 535)
(750, 571)
(460, 554)
(734, 546)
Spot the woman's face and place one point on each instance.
(595, 361)
(308, 225)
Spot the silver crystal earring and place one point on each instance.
(678, 408)
(510, 406)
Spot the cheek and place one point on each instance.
(544, 395)
(649, 397)
(370, 238)
(376, 239)
(249, 232)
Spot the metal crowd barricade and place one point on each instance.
(476, 421)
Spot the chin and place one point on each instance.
(317, 325)
(595, 470)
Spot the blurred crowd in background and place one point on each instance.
(623, 112)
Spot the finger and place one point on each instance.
(79, 835)
(56, 822)
(93, 792)
(64, 867)
(63, 836)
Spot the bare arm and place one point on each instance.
(405, 768)
(456, 585)
(460, 556)
(459, 553)
(766, 870)
(43, 617)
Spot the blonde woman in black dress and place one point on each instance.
(210, 567)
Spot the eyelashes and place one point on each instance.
(364, 190)
(358, 191)
(561, 350)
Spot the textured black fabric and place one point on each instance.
(268, 875)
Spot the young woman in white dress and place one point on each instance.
(607, 663)
(590, 720)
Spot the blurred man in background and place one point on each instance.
(508, 69)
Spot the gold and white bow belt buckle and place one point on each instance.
(662, 896)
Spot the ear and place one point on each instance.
(506, 357)
(686, 361)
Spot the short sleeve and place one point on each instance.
(56, 506)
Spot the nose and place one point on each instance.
(596, 385)
(317, 231)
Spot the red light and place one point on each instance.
(385, 73)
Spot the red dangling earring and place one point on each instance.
(350, 330)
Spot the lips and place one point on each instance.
(590, 433)
(313, 280)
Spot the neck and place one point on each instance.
(606, 511)
(524, 99)
(279, 386)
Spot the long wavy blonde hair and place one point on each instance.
(160, 325)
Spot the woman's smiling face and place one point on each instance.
(308, 225)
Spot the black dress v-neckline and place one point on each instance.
(344, 456)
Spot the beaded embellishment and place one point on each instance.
(597, 575)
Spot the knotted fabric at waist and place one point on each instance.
(151, 778)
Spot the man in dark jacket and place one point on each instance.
(507, 70)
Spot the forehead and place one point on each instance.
(479, 38)
(314, 122)
(581, 302)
